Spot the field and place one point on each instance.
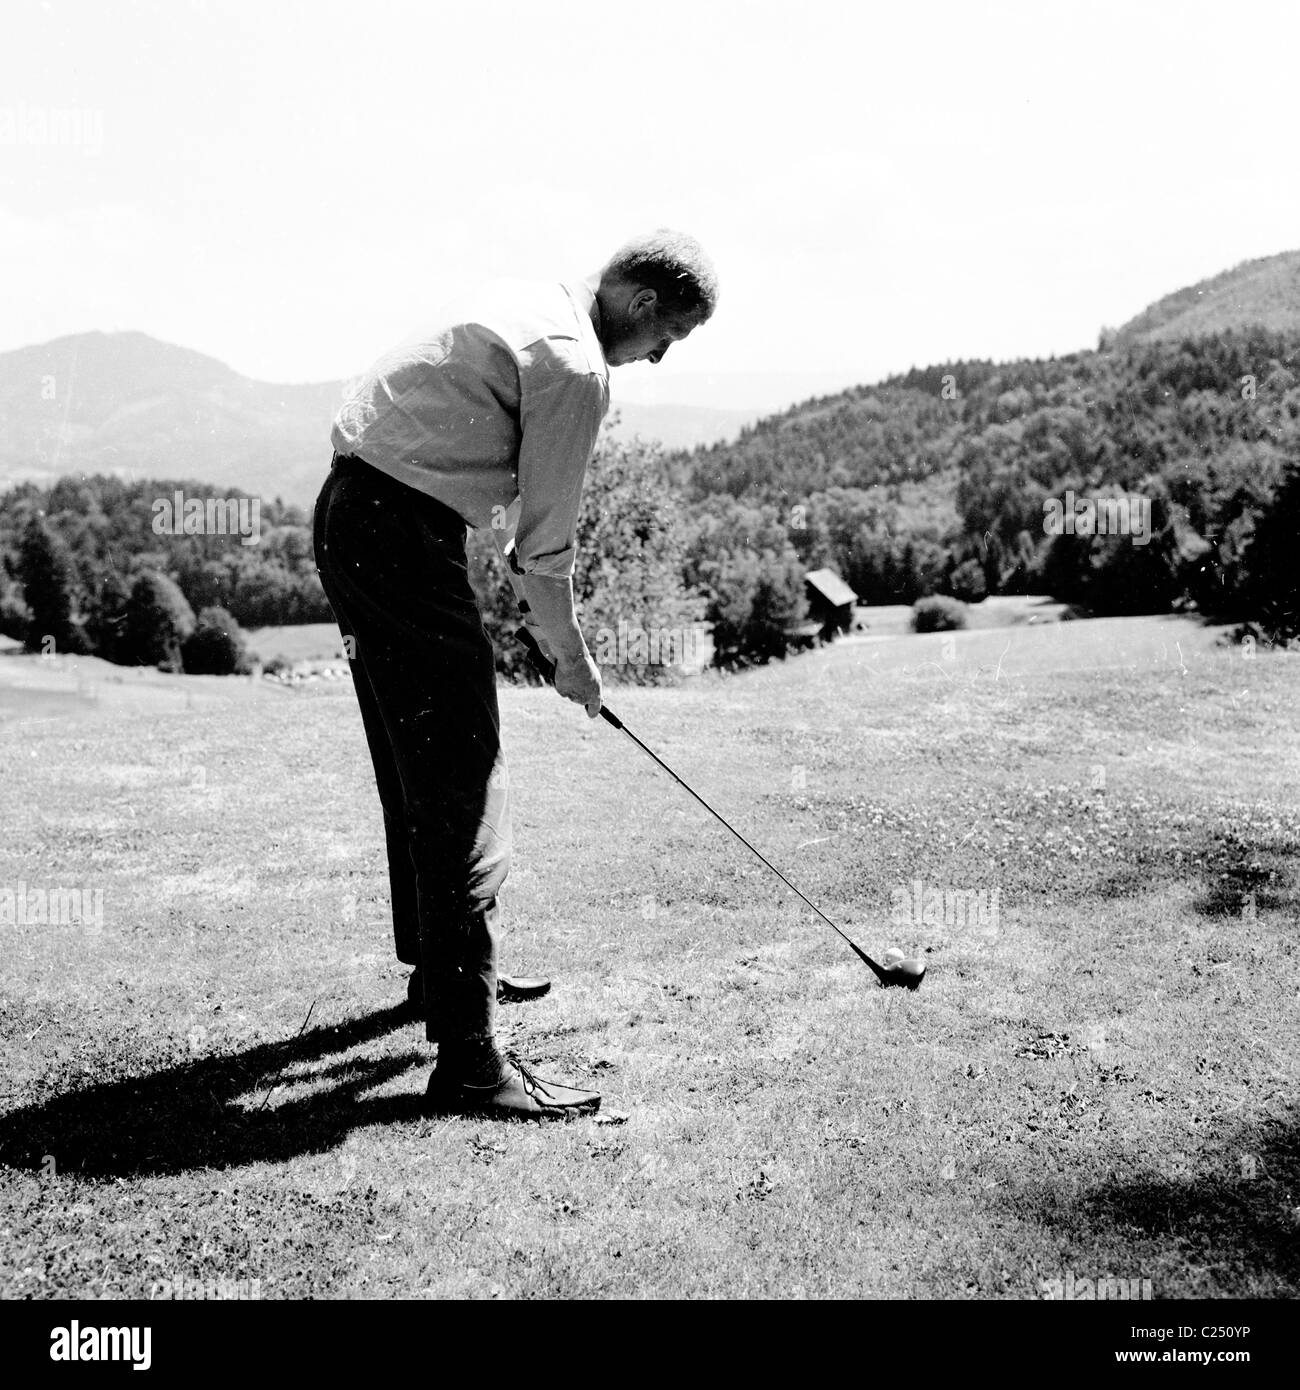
(211, 1084)
(311, 643)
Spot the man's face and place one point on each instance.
(648, 332)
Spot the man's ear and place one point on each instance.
(643, 302)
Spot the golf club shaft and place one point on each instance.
(547, 670)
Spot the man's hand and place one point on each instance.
(577, 678)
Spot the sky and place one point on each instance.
(294, 185)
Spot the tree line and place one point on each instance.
(86, 569)
(937, 482)
(942, 480)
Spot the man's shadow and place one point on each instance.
(185, 1116)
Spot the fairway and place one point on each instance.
(1096, 1081)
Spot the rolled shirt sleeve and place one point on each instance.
(562, 404)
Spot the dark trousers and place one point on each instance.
(392, 562)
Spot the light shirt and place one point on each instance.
(494, 413)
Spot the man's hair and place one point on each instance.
(672, 264)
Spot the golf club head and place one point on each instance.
(907, 973)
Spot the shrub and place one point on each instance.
(938, 614)
(967, 582)
(216, 647)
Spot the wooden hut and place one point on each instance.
(830, 602)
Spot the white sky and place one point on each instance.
(291, 185)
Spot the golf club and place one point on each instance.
(907, 973)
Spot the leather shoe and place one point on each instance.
(519, 1095)
(516, 989)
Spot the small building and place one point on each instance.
(830, 602)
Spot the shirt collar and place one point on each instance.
(588, 308)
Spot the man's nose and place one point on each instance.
(658, 354)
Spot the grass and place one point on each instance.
(1101, 1080)
(304, 642)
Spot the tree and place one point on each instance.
(966, 582)
(216, 647)
(106, 622)
(15, 616)
(1272, 562)
(46, 573)
(733, 582)
(628, 578)
(158, 620)
(779, 604)
(754, 601)
(1063, 568)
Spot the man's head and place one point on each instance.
(652, 292)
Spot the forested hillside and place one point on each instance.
(950, 480)
(946, 471)
(1264, 293)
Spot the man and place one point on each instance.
(488, 421)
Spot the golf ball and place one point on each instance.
(893, 956)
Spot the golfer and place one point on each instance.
(488, 421)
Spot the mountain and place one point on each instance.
(899, 436)
(127, 404)
(756, 392)
(1256, 294)
(679, 426)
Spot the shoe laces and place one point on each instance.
(532, 1082)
